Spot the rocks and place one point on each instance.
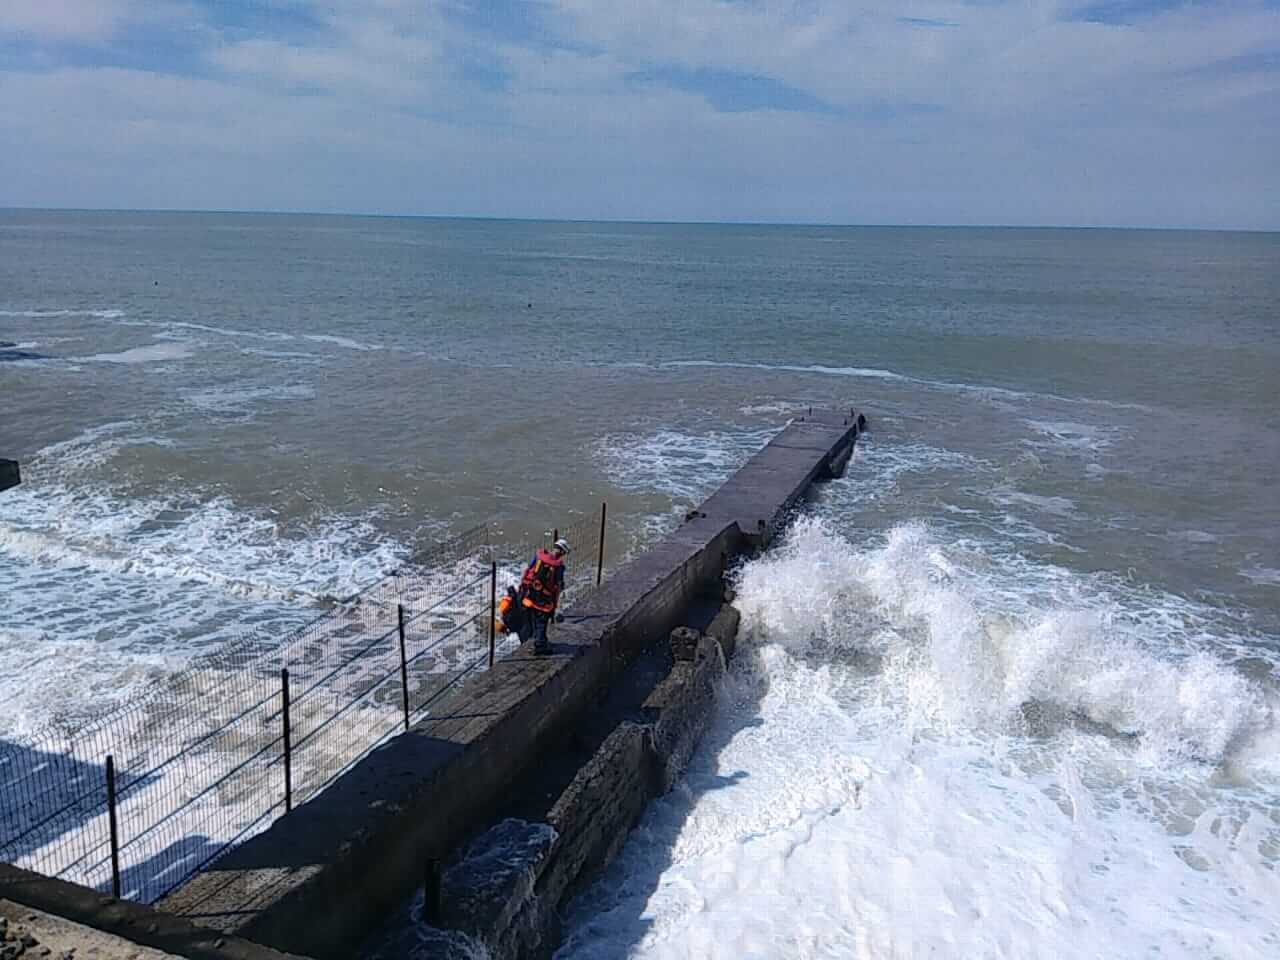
(16, 942)
(684, 643)
(496, 875)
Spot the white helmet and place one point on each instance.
(562, 545)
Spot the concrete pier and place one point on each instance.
(322, 877)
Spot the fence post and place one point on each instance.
(493, 609)
(404, 667)
(115, 829)
(604, 514)
(288, 741)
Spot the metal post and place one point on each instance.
(493, 609)
(604, 515)
(555, 535)
(115, 829)
(288, 741)
(404, 667)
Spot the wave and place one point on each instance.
(40, 314)
(683, 465)
(167, 350)
(963, 654)
(225, 399)
(228, 331)
(346, 342)
(875, 373)
(871, 752)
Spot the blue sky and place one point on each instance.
(1106, 112)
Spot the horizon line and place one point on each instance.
(637, 221)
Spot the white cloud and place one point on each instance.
(1038, 118)
(80, 21)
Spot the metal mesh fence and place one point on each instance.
(138, 800)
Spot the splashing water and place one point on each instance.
(914, 757)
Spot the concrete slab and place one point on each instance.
(40, 932)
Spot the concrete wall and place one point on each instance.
(508, 888)
(9, 474)
(325, 875)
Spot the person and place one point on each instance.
(540, 590)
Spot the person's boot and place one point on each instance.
(542, 648)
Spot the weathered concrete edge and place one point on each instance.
(10, 474)
(591, 820)
(134, 922)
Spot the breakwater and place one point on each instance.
(323, 877)
(422, 809)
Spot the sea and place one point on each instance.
(1010, 688)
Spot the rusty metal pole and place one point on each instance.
(604, 515)
(493, 610)
(115, 829)
(404, 667)
(288, 740)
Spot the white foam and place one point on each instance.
(346, 342)
(272, 335)
(171, 350)
(41, 314)
(918, 752)
(1072, 435)
(875, 373)
(223, 399)
(91, 447)
(118, 581)
(281, 355)
(1265, 576)
(686, 466)
(1053, 505)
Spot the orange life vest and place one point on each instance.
(541, 582)
(504, 611)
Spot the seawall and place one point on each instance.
(10, 475)
(326, 875)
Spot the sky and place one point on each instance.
(1049, 112)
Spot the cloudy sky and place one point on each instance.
(1123, 112)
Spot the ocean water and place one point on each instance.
(1009, 689)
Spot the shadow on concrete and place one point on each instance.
(607, 918)
(149, 880)
(44, 797)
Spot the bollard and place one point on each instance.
(404, 667)
(604, 514)
(115, 829)
(493, 610)
(288, 741)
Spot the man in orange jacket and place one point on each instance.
(540, 590)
